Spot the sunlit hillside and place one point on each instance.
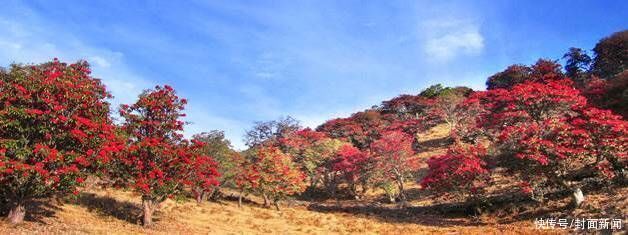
(111, 211)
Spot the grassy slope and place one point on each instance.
(114, 211)
(97, 213)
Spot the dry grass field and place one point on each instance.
(116, 212)
(112, 211)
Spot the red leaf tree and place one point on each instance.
(354, 167)
(461, 172)
(203, 170)
(393, 159)
(546, 133)
(158, 162)
(310, 150)
(449, 106)
(53, 121)
(361, 129)
(542, 71)
(270, 173)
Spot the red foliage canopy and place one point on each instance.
(158, 162)
(270, 172)
(54, 121)
(459, 171)
(547, 132)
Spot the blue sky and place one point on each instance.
(243, 61)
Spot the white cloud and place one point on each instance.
(269, 65)
(32, 40)
(28, 42)
(447, 39)
(102, 62)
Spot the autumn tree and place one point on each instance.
(53, 123)
(461, 172)
(609, 66)
(392, 154)
(270, 173)
(203, 172)
(311, 150)
(542, 71)
(466, 128)
(368, 124)
(447, 106)
(544, 132)
(511, 75)
(611, 55)
(412, 107)
(354, 167)
(157, 164)
(345, 129)
(615, 96)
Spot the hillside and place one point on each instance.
(106, 211)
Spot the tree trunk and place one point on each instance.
(578, 197)
(402, 193)
(331, 186)
(266, 201)
(313, 182)
(451, 127)
(17, 213)
(200, 196)
(353, 189)
(212, 193)
(240, 198)
(149, 207)
(276, 202)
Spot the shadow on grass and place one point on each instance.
(108, 206)
(412, 214)
(435, 143)
(234, 198)
(507, 208)
(36, 210)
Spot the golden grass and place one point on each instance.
(109, 211)
(225, 218)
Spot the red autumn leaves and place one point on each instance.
(54, 117)
(56, 129)
(543, 132)
(532, 122)
(158, 162)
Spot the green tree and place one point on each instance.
(220, 149)
(577, 65)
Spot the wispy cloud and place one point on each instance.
(448, 38)
(34, 42)
(243, 61)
